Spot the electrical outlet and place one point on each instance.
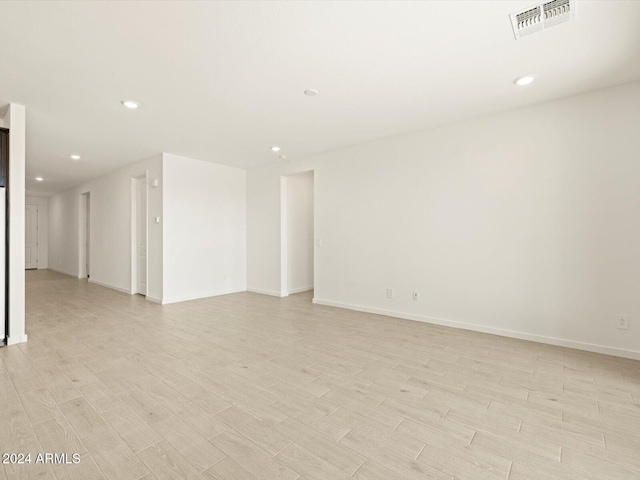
(389, 292)
(416, 296)
(318, 242)
(622, 322)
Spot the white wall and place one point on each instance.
(63, 232)
(204, 229)
(525, 223)
(15, 119)
(43, 229)
(299, 211)
(110, 232)
(197, 250)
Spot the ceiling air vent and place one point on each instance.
(541, 16)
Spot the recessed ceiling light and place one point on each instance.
(39, 179)
(130, 104)
(311, 92)
(275, 148)
(75, 157)
(524, 80)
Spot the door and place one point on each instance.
(141, 235)
(31, 236)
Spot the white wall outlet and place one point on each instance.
(389, 292)
(318, 242)
(416, 296)
(622, 322)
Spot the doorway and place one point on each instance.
(4, 236)
(297, 259)
(84, 266)
(31, 237)
(139, 235)
(87, 242)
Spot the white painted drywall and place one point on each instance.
(299, 192)
(43, 229)
(524, 223)
(63, 232)
(110, 232)
(15, 119)
(204, 229)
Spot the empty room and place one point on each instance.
(320, 240)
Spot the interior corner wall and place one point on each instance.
(15, 120)
(43, 229)
(263, 230)
(524, 223)
(299, 232)
(110, 232)
(64, 220)
(204, 229)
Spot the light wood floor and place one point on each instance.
(244, 387)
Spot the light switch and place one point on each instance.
(157, 219)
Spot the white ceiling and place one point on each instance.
(223, 81)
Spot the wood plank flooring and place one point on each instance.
(250, 387)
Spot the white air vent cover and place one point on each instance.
(541, 16)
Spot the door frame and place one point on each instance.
(134, 232)
(4, 183)
(37, 234)
(284, 231)
(85, 198)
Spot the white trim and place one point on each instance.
(83, 239)
(589, 347)
(135, 185)
(63, 272)
(154, 299)
(112, 287)
(186, 298)
(16, 339)
(300, 290)
(267, 292)
(284, 236)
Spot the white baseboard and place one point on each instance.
(589, 347)
(267, 292)
(63, 272)
(154, 299)
(13, 340)
(300, 290)
(186, 298)
(112, 287)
